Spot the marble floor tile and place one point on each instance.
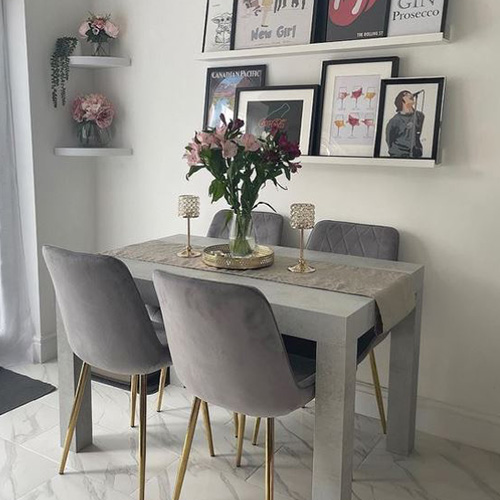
(112, 459)
(46, 372)
(202, 483)
(73, 487)
(21, 470)
(28, 421)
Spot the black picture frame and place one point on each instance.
(324, 28)
(204, 41)
(206, 108)
(277, 88)
(438, 113)
(316, 24)
(444, 19)
(395, 62)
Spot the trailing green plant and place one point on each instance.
(59, 64)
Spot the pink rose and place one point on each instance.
(229, 149)
(208, 140)
(76, 110)
(249, 142)
(84, 27)
(99, 23)
(105, 116)
(192, 155)
(111, 29)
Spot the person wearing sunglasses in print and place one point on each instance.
(404, 130)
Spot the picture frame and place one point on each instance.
(217, 34)
(411, 17)
(220, 90)
(291, 108)
(402, 133)
(350, 93)
(268, 25)
(355, 20)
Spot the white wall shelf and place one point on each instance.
(98, 62)
(367, 162)
(329, 47)
(93, 152)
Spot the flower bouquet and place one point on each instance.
(99, 30)
(94, 115)
(241, 165)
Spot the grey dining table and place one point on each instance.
(335, 321)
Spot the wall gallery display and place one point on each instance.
(291, 109)
(218, 25)
(350, 104)
(220, 94)
(356, 19)
(414, 17)
(265, 23)
(410, 118)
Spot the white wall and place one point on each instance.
(448, 217)
(57, 194)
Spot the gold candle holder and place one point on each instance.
(302, 217)
(189, 208)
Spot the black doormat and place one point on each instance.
(17, 390)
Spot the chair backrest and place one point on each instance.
(268, 227)
(361, 240)
(105, 319)
(225, 345)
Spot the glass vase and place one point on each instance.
(91, 136)
(241, 235)
(101, 49)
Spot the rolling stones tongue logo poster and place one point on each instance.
(355, 19)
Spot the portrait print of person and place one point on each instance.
(410, 121)
(404, 130)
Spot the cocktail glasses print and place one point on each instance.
(371, 93)
(369, 123)
(342, 96)
(356, 93)
(354, 122)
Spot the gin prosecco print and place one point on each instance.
(264, 23)
(415, 17)
(355, 19)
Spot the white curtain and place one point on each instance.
(16, 330)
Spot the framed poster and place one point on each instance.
(356, 19)
(350, 103)
(291, 109)
(218, 26)
(220, 93)
(410, 118)
(265, 23)
(414, 17)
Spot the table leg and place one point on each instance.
(334, 421)
(403, 382)
(69, 372)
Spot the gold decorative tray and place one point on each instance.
(220, 257)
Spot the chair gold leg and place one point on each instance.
(269, 458)
(235, 419)
(208, 428)
(187, 448)
(75, 411)
(256, 431)
(142, 436)
(378, 391)
(161, 387)
(134, 382)
(241, 436)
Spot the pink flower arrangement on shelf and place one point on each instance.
(94, 114)
(99, 30)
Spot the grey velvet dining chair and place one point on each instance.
(228, 351)
(361, 240)
(268, 228)
(107, 326)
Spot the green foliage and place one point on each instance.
(59, 64)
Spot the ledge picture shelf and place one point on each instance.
(98, 62)
(366, 162)
(93, 152)
(329, 47)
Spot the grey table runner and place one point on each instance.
(392, 290)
